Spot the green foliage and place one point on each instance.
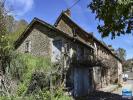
(17, 98)
(3, 29)
(33, 64)
(32, 69)
(22, 66)
(117, 16)
(121, 53)
(5, 47)
(17, 66)
(21, 89)
(128, 65)
(15, 28)
(57, 95)
(29, 69)
(4, 98)
(14, 36)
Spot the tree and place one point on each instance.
(121, 53)
(117, 16)
(128, 65)
(4, 44)
(8, 25)
(17, 28)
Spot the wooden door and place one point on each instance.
(81, 82)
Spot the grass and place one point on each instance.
(24, 65)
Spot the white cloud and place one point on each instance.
(20, 7)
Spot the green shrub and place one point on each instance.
(21, 89)
(60, 95)
(27, 68)
(17, 66)
(23, 66)
(4, 98)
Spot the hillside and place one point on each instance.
(15, 27)
(128, 65)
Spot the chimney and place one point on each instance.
(68, 12)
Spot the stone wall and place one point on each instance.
(66, 26)
(41, 45)
(101, 52)
(40, 42)
(120, 72)
(63, 26)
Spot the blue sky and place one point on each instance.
(49, 10)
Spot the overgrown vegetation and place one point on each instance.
(36, 77)
(25, 77)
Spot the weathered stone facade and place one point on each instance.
(109, 72)
(40, 42)
(90, 63)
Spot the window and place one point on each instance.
(28, 46)
(57, 49)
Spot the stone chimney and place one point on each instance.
(68, 12)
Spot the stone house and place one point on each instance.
(89, 63)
